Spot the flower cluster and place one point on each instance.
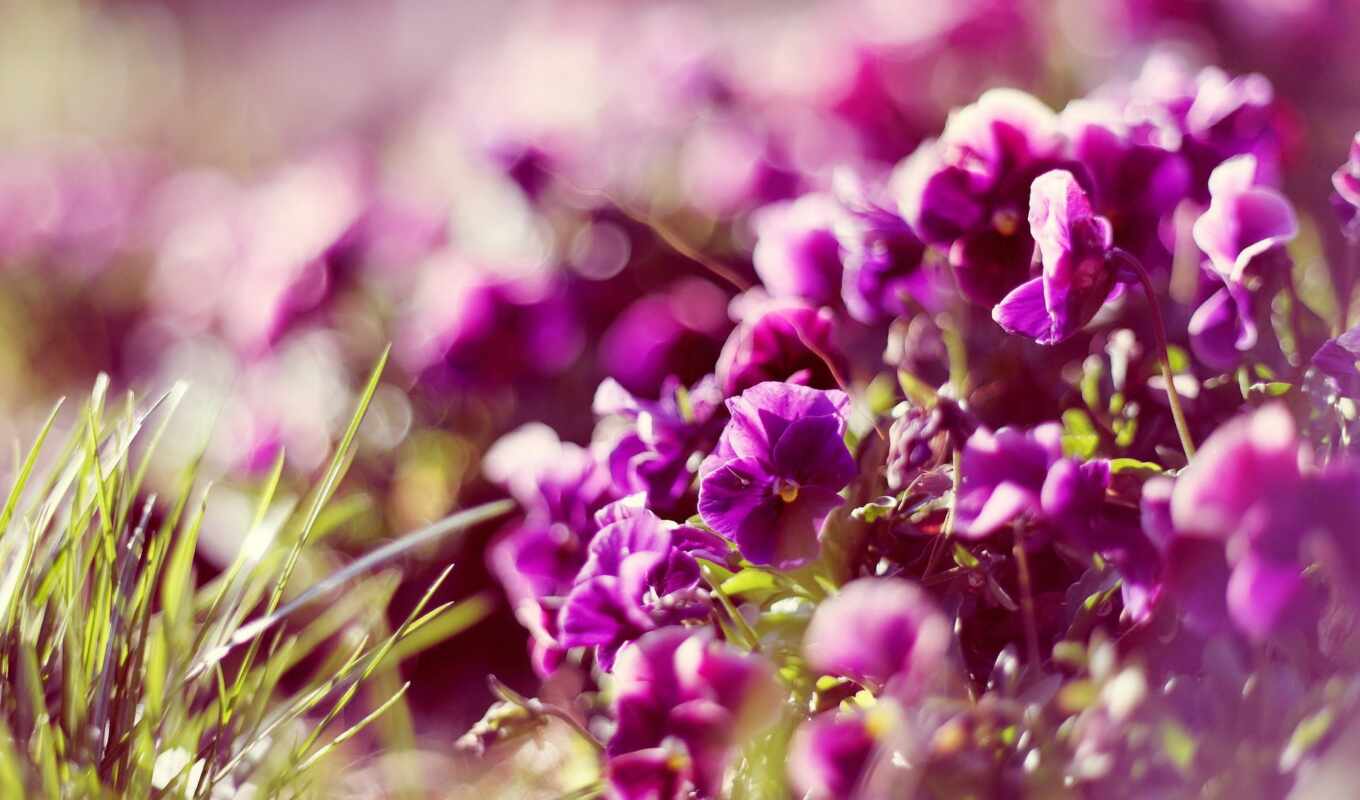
(846, 575)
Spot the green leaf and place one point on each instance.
(1080, 438)
(1179, 746)
(875, 509)
(749, 580)
(1307, 734)
(1135, 466)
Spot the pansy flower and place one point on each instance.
(1078, 277)
(1346, 184)
(1244, 228)
(654, 453)
(886, 270)
(779, 340)
(797, 253)
(967, 192)
(561, 487)
(879, 632)
(683, 703)
(776, 472)
(635, 579)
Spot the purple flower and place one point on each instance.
(1208, 116)
(775, 476)
(635, 580)
(1136, 184)
(913, 434)
(1244, 229)
(561, 487)
(468, 327)
(885, 263)
(1003, 476)
(1224, 327)
(830, 752)
(1074, 244)
(1245, 489)
(797, 253)
(683, 701)
(678, 331)
(780, 341)
(879, 632)
(1244, 221)
(1339, 361)
(1346, 183)
(653, 455)
(968, 191)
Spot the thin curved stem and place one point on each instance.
(1159, 330)
(1027, 599)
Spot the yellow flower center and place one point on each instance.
(1006, 222)
(788, 491)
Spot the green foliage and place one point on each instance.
(124, 676)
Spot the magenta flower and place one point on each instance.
(635, 579)
(1245, 489)
(780, 340)
(830, 752)
(1003, 476)
(775, 475)
(1135, 183)
(886, 273)
(1338, 360)
(653, 454)
(1346, 183)
(796, 253)
(1078, 278)
(1245, 225)
(879, 632)
(1245, 220)
(561, 487)
(968, 191)
(1010, 475)
(683, 702)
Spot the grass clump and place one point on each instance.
(122, 675)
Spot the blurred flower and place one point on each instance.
(560, 487)
(777, 470)
(796, 253)
(468, 328)
(678, 331)
(779, 340)
(1136, 183)
(879, 632)
(1243, 233)
(830, 752)
(968, 191)
(683, 701)
(885, 263)
(1346, 183)
(1245, 488)
(654, 453)
(1245, 219)
(1003, 476)
(1339, 360)
(1078, 279)
(1208, 116)
(75, 206)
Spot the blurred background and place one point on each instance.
(522, 198)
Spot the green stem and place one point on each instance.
(1026, 599)
(1159, 331)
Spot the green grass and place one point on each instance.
(123, 675)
